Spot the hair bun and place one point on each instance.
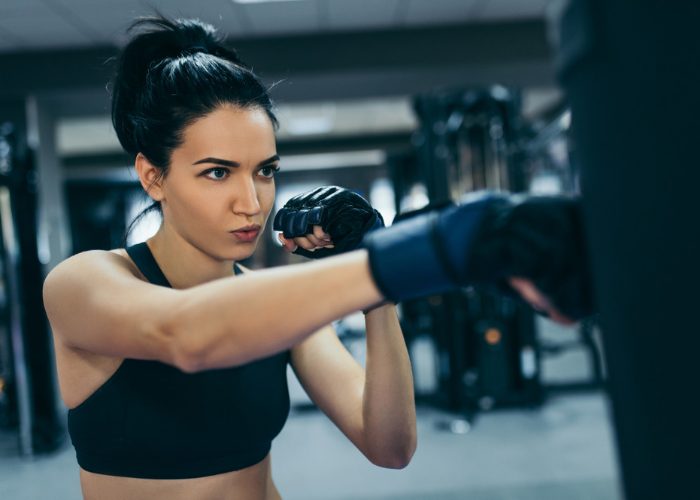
(196, 48)
(192, 36)
(156, 41)
(163, 38)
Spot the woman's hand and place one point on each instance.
(325, 221)
(310, 242)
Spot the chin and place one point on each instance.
(244, 250)
(238, 252)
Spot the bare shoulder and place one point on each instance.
(92, 264)
(72, 287)
(99, 302)
(81, 371)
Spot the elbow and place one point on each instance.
(393, 461)
(398, 458)
(185, 354)
(188, 361)
(184, 349)
(194, 346)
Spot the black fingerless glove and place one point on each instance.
(344, 215)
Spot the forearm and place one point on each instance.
(232, 321)
(389, 412)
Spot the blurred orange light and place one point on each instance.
(493, 336)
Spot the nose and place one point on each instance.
(245, 200)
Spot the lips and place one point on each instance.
(248, 233)
(250, 227)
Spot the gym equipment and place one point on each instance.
(28, 391)
(484, 347)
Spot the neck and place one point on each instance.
(183, 264)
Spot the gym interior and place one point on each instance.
(410, 103)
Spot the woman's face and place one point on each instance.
(221, 179)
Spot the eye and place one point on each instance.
(269, 171)
(218, 173)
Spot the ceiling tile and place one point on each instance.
(62, 23)
(9, 38)
(219, 13)
(97, 20)
(44, 30)
(7, 45)
(510, 9)
(114, 29)
(361, 14)
(438, 11)
(19, 8)
(113, 20)
(282, 17)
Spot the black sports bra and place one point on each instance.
(151, 420)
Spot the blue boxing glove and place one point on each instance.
(344, 215)
(487, 239)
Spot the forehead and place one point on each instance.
(230, 132)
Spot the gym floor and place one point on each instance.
(561, 451)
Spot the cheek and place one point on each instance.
(266, 196)
(191, 202)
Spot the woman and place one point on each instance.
(171, 360)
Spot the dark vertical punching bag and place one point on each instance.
(41, 421)
(48, 429)
(630, 70)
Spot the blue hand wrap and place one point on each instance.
(429, 253)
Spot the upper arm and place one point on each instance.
(333, 380)
(95, 302)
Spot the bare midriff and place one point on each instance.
(251, 483)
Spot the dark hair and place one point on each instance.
(171, 73)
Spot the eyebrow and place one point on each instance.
(229, 163)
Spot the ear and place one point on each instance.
(150, 177)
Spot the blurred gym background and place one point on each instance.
(408, 102)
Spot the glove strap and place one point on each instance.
(441, 250)
(403, 261)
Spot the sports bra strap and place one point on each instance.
(144, 260)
